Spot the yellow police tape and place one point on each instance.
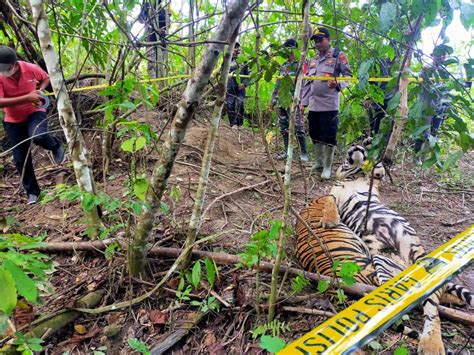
(363, 320)
(310, 78)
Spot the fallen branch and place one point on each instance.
(48, 325)
(232, 193)
(357, 290)
(178, 334)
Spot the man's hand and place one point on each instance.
(332, 84)
(241, 86)
(270, 108)
(302, 109)
(34, 97)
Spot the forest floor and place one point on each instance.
(437, 206)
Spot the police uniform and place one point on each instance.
(323, 101)
(235, 98)
(289, 68)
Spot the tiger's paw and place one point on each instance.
(430, 344)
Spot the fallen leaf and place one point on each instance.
(157, 317)
(80, 329)
(210, 339)
(217, 349)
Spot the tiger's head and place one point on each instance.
(353, 166)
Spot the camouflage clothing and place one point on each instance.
(235, 99)
(288, 68)
(435, 100)
(316, 94)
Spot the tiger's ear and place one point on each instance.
(330, 218)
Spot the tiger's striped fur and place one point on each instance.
(331, 240)
(339, 242)
(390, 233)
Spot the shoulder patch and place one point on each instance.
(343, 58)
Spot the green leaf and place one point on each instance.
(89, 201)
(164, 208)
(196, 274)
(285, 92)
(3, 323)
(451, 161)
(175, 193)
(323, 285)
(272, 344)
(388, 13)
(467, 14)
(394, 101)
(140, 143)
(375, 345)
(24, 284)
(401, 350)
(140, 186)
(363, 73)
(137, 345)
(275, 229)
(210, 271)
(7, 292)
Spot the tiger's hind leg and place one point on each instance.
(385, 269)
(457, 294)
(431, 341)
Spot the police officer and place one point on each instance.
(235, 99)
(434, 97)
(322, 98)
(289, 68)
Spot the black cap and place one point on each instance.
(237, 45)
(290, 43)
(320, 32)
(7, 58)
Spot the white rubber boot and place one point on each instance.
(328, 156)
(318, 155)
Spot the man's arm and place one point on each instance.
(34, 97)
(43, 84)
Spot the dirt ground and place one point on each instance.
(437, 206)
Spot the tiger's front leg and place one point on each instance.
(431, 341)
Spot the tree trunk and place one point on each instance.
(287, 179)
(67, 118)
(402, 114)
(192, 48)
(185, 111)
(195, 220)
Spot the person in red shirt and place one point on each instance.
(21, 86)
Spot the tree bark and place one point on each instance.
(185, 111)
(67, 118)
(196, 216)
(402, 114)
(192, 48)
(287, 179)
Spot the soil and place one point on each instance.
(437, 206)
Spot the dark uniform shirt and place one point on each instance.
(316, 93)
(288, 68)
